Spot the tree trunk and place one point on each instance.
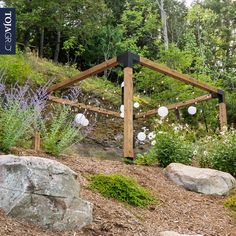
(164, 24)
(26, 39)
(41, 42)
(57, 50)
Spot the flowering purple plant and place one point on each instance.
(20, 112)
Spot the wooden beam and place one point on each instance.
(223, 116)
(177, 75)
(85, 74)
(128, 114)
(37, 141)
(177, 105)
(84, 106)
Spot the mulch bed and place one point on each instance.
(177, 210)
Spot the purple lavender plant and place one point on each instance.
(21, 111)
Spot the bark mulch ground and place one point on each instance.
(177, 210)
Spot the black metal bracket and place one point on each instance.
(127, 59)
(220, 95)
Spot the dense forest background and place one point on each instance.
(198, 40)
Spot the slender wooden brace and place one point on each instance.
(176, 105)
(37, 141)
(128, 113)
(83, 106)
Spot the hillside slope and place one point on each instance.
(178, 210)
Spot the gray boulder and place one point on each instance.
(201, 180)
(172, 233)
(43, 192)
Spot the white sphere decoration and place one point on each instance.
(79, 118)
(136, 105)
(192, 110)
(162, 111)
(85, 122)
(122, 84)
(122, 115)
(122, 108)
(141, 136)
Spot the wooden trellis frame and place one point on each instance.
(128, 59)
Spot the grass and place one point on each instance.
(122, 188)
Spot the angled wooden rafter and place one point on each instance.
(127, 60)
(85, 74)
(177, 75)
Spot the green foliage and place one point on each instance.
(15, 125)
(148, 158)
(60, 133)
(231, 104)
(18, 70)
(171, 145)
(122, 188)
(219, 152)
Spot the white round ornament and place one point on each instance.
(192, 110)
(162, 111)
(79, 118)
(136, 105)
(141, 136)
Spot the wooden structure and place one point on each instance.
(128, 60)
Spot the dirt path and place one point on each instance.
(178, 210)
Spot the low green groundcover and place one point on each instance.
(230, 202)
(122, 188)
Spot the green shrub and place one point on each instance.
(172, 144)
(16, 124)
(60, 132)
(148, 158)
(171, 147)
(219, 152)
(122, 188)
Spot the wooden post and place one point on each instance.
(128, 113)
(222, 116)
(37, 141)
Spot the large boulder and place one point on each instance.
(201, 180)
(172, 233)
(42, 191)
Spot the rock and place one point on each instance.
(42, 191)
(172, 233)
(201, 180)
